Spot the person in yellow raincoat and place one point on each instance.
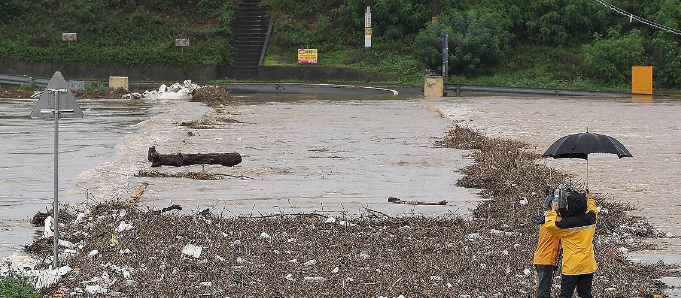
(546, 255)
(576, 230)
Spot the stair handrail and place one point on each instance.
(267, 38)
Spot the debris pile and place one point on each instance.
(212, 96)
(121, 250)
(175, 91)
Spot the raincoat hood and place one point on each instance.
(576, 203)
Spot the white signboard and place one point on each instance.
(69, 36)
(367, 18)
(182, 42)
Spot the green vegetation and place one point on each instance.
(575, 44)
(13, 286)
(117, 32)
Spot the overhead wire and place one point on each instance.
(640, 19)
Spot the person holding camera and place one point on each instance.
(546, 255)
(576, 226)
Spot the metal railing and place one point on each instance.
(23, 80)
(522, 90)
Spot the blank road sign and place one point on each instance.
(67, 102)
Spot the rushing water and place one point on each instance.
(307, 153)
(27, 157)
(649, 128)
(302, 153)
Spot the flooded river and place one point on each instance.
(650, 130)
(27, 157)
(325, 153)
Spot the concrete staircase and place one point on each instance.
(250, 30)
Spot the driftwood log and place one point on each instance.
(180, 159)
(398, 201)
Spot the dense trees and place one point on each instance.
(477, 41)
(601, 43)
(117, 32)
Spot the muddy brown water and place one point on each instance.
(313, 153)
(347, 155)
(651, 131)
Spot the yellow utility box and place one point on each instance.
(118, 82)
(642, 80)
(433, 86)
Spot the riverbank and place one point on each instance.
(328, 251)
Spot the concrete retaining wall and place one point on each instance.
(317, 73)
(77, 71)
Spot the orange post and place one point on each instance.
(642, 80)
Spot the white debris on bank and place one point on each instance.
(192, 250)
(25, 266)
(175, 91)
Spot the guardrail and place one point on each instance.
(23, 80)
(521, 90)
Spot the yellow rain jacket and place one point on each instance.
(548, 248)
(576, 232)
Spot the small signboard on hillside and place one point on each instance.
(71, 36)
(307, 56)
(182, 42)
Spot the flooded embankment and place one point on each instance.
(649, 182)
(340, 158)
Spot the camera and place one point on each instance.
(560, 194)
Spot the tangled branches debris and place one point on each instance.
(212, 96)
(190, 175)
(128, 252)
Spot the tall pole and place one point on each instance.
(445, 57)
(434, 10)
(368, 32)
(44, 108)
(55, 263)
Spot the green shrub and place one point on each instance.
(609, 60)
(14, 286)
(119, 32)
(9, 9)
(560, 22)
(667, 61)
(477, 41)
(319, 34)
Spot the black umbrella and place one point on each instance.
(580, 145)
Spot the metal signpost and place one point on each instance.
(367, 28)
(69, 37)
(445, 57)
(182, 42)
(65, 107)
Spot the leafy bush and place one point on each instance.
(9, 9)
(560, 22)
(296, 7)
(119, 32)
(609, 60)
(320, 34)
(13, 286)
(393, 19)
(477, 41)
(667, 61)
(664, 46)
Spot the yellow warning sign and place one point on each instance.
(307, 56)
